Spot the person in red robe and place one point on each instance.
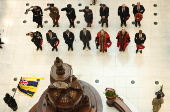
(103, 40)
(123, 39)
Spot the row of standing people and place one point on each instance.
(102, 39)
(123, 12)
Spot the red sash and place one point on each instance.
(57, 42)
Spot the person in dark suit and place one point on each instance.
(69, 38)
(52, 39)
(140, 39)
(123, 12)
(37, 39)
(88, 15)
(138, 9)
(71, 15)
(104, 13)
(37, 15)
(85, 37)
(1, 43)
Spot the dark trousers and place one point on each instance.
(106, 24)
(38, 45)
(70, 46)
(137, 22)
(86, 43)
(71, 21)
(39, 23)
(123, 21)
(54, 47)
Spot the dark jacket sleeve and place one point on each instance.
(64, 36)
(74, 12)
(144, 37)
(91, 13)
(80, 35)
(63, 9)
(100, 11)
(136, 37)
(89, 35)
(47, 36)
(41, 12)
(128, 10)
(118, 10)
(107, 12)
(54, 35)
(142, 9)
(72, 35)
(81, 10)
(134, 8)
(39, 34)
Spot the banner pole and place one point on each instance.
(16, 88)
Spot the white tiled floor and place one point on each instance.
(113, 69)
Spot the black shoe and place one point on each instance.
(70, 26)
(136, 25)
(73, 26)
(57, 25)
(2, 43)
(41, 26)
(89, 48)
(106, 50)
(56, 49)
(52, 49)
(91, 4)
(37, 49)
(89, 25)
(53, 25)
(141, 52)
(72, 49)
(1, 47)
(136, 51)
(68, 48)
(139, 25)
(97, 48)
(121, 25)
(83, 48)
(125, 25)
(37, 26)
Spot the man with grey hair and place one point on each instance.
(123, 39)
(69, 39)
(123, 12)
(85, 37)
